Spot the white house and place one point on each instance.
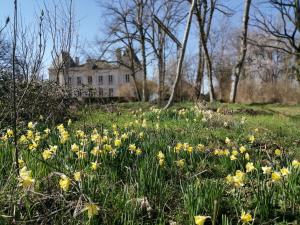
(97, 78)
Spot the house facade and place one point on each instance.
(97, 78)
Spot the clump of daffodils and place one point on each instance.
(237, 180)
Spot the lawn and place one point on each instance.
(133, 163)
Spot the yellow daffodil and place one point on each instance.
(64, 183)
(200, 147)
(138, 151)
(25, 179)
(161, 158)
(47, 154)
(77, 176)
(266, 169)
(284, 171)
(249, 167)
(200, 220)
(30, 125)
(74, 148)
(242, 149)
(246, 217)
(96, 151)
(180, 163)
(9, 133)
(233, 157)
(227, 141)
(296, 163)
(251, 138)
(92, 210)
(277, 152)
(118, 142)
(94, 165)
(247, 156)
(276, 176)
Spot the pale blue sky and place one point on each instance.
(89, 15)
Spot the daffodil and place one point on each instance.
(30, 125)
(200, 220)
(77, 176)
(247, 156)
(200, 147)
(266, 169)
(138, 151)
(94, 165)
(277, 152)
(295, 163)
(249, 167)
(96, 151)
(47, 154)
(276, 176)
(180, 163)
(161, 158)
(246, 217)
(233, 157)
(284, 171)
(242, 149)
(251, 138)
(25, 178)
(9, 133)
(74, 148)
(92, 210)
(118, 143)
(227, 141)
(64, 182)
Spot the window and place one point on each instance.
(111, 92)
(79, 81)
(100, 80)
(110, 79)
(90, 80)
(127, 78)
(69, 80)
(101, 92)
(91, 92)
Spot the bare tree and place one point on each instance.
(285, 34)
(182, 53)
(120, 30)
(162, 31)
(243, 50)
(140, 6)
(61, 27)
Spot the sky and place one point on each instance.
(90, 25)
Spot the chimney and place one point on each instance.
(77, 60)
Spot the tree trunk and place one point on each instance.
(144, 65)
(243, 50)
(199, 77)
(180, 63)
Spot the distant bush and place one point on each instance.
(35, 100)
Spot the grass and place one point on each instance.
(157, 167)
